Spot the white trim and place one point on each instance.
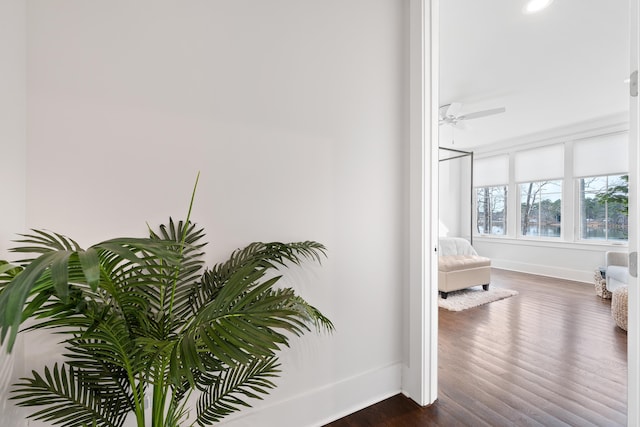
(585, 245)
(544, 270)
(311, 408)
(419, 375)
(570, 198)
(431, 302)
(633, 334)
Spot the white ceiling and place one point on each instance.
(561, 67)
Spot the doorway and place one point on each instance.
(484, 132)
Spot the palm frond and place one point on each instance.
(311, 314)
(15, 293)
(187, 234)
(42, 241)
(8, 271)
(110, 341)
(68, 401)
(185, 240)
(270, 255)
(247, 318)
(208, 332)
(227, 391)
(106, 379)
(60, 259)
(262, 256)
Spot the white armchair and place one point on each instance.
(617, 272)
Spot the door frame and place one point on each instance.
(420, 370)
(633, 333)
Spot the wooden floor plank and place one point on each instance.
(549, 356)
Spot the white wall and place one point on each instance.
(563, 260)
(12, 119)
(13, 169)
(294, 114)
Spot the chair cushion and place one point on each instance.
(462, 262)
(455, 246)
(617, 276)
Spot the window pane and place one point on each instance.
(491, 210)
(604, 207)
(593, 212)
(541, 208)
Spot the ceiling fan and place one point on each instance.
(449, 114)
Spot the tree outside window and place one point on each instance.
(604, 205)
(491, 210)
(541, 208)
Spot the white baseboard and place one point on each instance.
(544, 270)
(325, 404)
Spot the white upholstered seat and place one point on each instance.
(460, 267)
(617, 271)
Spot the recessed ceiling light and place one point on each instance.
(534, 6)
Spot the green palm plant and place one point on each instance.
(144, 319)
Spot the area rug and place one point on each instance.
(473, 297)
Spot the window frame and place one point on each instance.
(579, 212)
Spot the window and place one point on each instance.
(602, 187)
(604, 207)
(541, 208)
(490, 177)
(571, 191)
(491, 210)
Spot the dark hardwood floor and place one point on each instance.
(550, 356)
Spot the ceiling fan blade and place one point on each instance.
(483, 113)
(454, 109)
